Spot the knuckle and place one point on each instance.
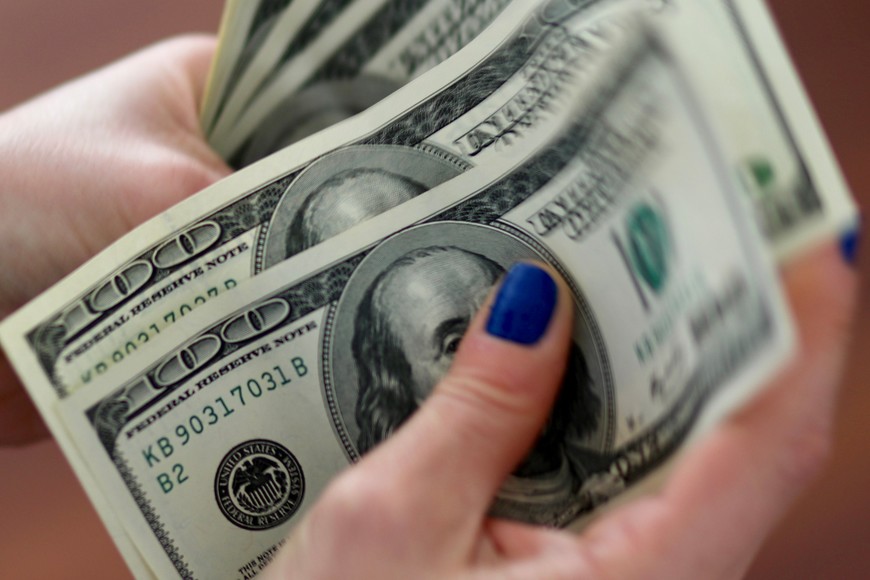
(173, 176)
(349, 497)
(474, 409)
(483, 393)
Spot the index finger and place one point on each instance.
(485, 414)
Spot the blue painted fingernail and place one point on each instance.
(523, 306)
(849, 243)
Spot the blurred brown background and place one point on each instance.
(49, 529)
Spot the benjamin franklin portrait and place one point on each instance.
(344, 200)
(348, 187)
(407, 328)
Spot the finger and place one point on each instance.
(187, 61)
(193, 54)
(727, 493)
(156, 95)
(485, 414)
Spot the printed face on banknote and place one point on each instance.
(416, 313)
(345, 200)
(407, 329)
(348, 187)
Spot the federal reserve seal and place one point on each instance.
(259, 485)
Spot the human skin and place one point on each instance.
(416, 505)
(84, 164)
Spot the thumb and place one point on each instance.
(484, 416)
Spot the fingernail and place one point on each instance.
(523, 306)
(849, 243)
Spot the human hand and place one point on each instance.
(84, 164)
(415, 507)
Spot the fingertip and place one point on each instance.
(850, 243)
(822, 289)
(521, 332)
(523, 305)
(507, 371)
(195, 53)
(531, 306)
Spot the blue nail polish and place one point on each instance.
(849, 243)
(523, 306)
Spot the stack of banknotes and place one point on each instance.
(211, 371)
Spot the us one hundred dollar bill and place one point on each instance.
(204, 247)
(782, 158)
(213, 451)
(293, 24)
(328, 60)
(303, 94)
(477, 106)
(244, 27)
(81, 341)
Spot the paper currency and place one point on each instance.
(38, 371)
(207, 245)
(474, 107)
(352, 55)
(244, 27)
(790, 172)
(292, 25)
(465, 121)
(785, 163)
(213, 451)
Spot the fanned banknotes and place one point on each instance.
(419, 138)
(437, 155)
(679, 318)
(326, 60)
(475, 107)
(244, 27)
